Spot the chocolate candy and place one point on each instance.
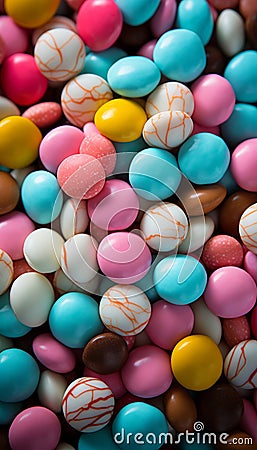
(232, 209)
(251, 29)
(10, 192)
(180, 409)
(201, 199)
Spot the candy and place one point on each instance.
(230, 32)
(240, 125)
(196, 16)
(247, 228)
(232, 210)
(51, 388)
(250, 264)
(222, 250)
(243, 164)
(113, 380)
(42, 250)
(56, 22)
(180, 409)
(164, 17)
(241, 370)
(14, 37)
(44, 114)
(10, 326)
(205, 322)
(243, 82)
(31, 14)
(8, 108)
(6, 271)
(52, 354)
(236, 330)
(137, 12)
(14, 227)
(170, 96)
(79, 402)
(10, 193)
(73, 218)
(201, 199)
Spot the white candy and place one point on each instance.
(88, 404)
(240, 365)
(64, 446)
(73, 218)
(125, 309)
(206, 322)
(230, 32)
(199, 231)
(31, 298)
(82, 97)
(63, 284)
(50, 390)
(60, 54)
(170, 96)
(167, 129)
(6, 271)
(248, 228)
(8, 108)
(78, 258)
(42, 250)
(164, 226)
(20, 174)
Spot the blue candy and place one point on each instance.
(204, 158)
(195, 15)
(98, 440)
(10, 326)
(99, 63)
(136, 12)
(8, 411)
(241, 72)
(241, 125)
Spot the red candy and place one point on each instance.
(236, 330)
(222, 250)
(44, 114)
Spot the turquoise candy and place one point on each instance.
(125, 153)
(195, 15)
(180, 55)
(204, 158)
(154, 174)
(8, 411)
(146, 423)
(41, 196)
(74, 319)
(136, 12)
(19, 375)
(99, 63)
(241, 125)
(133, 76)
(99, 440)
(241, 72)
(229, 182)
(180, 279)
(10, 326)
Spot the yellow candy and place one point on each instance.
(19, 142)
(121, 120)
(196, 362)
(31, 13)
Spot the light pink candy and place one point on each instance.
(52, 354)
(113, 380)
(250, 264)
(14, 228)
(164, 17)
(15, 38)
(244, 165)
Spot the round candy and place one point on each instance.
(120, 120)
(14, 228)
(147, 49)
(95, 440)
(44, 114)
(167, 129)
(115, 208)
(180, 409)
(232, 209)
(125, 310)
(21, 79)
(196, 16)
(196, 362)
(133, 76)
(10, 326)
(99, 23)
(113, 380)
(105, 353)
(13, 131)
(35, 427)
(100, 62)
(88, 404)
(124, 257)
(81, 176)
(6, 271)
(19, 375)
(31, 298)
(247, 228)
(56, 22)
(29, 14)
(243, 81)
(213, 153)
(199, 231)
(14, 37)
(8, 108)
(244, 163)
(52, 354)
(242, 374)
(230, 32)
(163, 18)
(59, 54)
(240, 125)
(230, 292)
(82, 97)
(170, 96)
(222, 250)
(8, 411)
(154, 174)
(51, 388)
(74, 319)
(180, 279)
(73, 217)
(147, 372)
(202, 199)
(164, 226)
(214, 100)
(64, 284)
(250, 264)
(42, 250)
(236, 330)
(169, 324)
(180, 55)
(137, 12)
(205, 322)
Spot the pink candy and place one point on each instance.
(244, 165)
(222, 250)
(52, 354)
(14, 228)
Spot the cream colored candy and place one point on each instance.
(20, 174)
(31, 298)
(170, 96)
(248, 228)
(6, 271)
(64, 284)
(78, 258)
(230, 32)
(167, 129)
(199, 231)
(164, 226)
(205, 321)
(64, 446)
(74, 217)
(240, 365)
(50, 390)
(42, 250)
(8, 108)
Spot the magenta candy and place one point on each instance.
(164, 17)
(113, 380)
(230, 292)
(35, 428)
(202, 129)
(244, 165)
(147, 372)
(115, 207)
(254, 322)
(99, 23)
(15, 38)
(58, 144)
(21, 80)
(250, 264)
(130, 341)
(147, 49)
(14, 228)
(124, 257)
(169, 324)
(52, 354)
(248, 422)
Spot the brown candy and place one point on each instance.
(238, 440)
(220, 408)
(251, 29)
(232, 209)
(180, 409)
(215, 60)
(247, 7)
(9, 193)
(105, 353)
(202, 199)
(223, 4)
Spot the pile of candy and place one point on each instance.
(128, 224)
